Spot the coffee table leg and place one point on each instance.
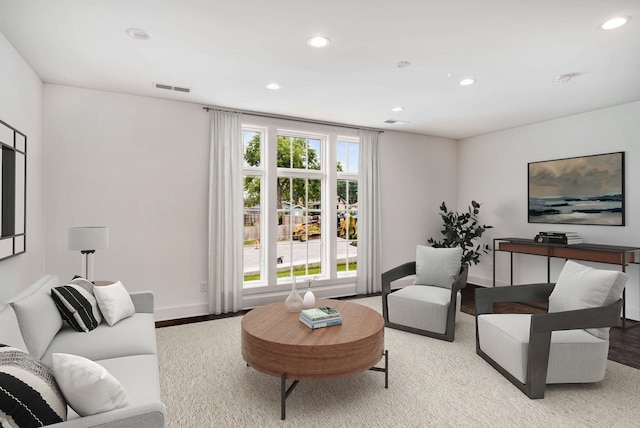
(385, 369)
(284, 393)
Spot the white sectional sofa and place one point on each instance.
(127, 350)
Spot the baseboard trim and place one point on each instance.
(253, 301)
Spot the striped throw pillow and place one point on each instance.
(29, 396)
(77, 305)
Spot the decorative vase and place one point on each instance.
(309, 300)
(293, 302)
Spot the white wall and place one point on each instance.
(418, 173)
(493, 170)
(21, 107)
(140, 166)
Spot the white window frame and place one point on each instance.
(345, 176)
(330, 284)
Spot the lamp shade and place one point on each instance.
(88, 238)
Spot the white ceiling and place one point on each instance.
(227, 51)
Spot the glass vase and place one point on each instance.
(309, 299)
(293, 303)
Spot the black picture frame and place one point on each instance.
(13, 191)
(584, 190)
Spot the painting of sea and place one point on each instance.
(579, 190)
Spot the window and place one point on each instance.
(347, 206)
(299, 205)
(253, 179)
(293, 225)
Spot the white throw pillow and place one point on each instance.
(114, 302)
(580, 287)
(87, 386)
(437, 266)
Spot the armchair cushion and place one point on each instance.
(422, 307)
(581, 287)
(437, 266)
(575, 356)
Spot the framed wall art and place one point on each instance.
(579, 190)
(13, 191)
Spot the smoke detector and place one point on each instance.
(565, 78)
(171, 87)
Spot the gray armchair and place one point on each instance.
(429, 306)
(569, 344)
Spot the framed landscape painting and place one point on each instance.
(580, 190)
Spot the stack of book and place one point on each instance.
(323, 316)
(566, 238)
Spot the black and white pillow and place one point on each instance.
(77, 304)
(29, 395)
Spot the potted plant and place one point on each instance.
(460, 230)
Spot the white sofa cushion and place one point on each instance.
(580, 287)
(437, 266)
(88, 387)
(37, 314)
(131, 336)
(575, 356)
(9, 328)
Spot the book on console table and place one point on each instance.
(559, 234)
(566, 240)
(321, 313)
(321, 323)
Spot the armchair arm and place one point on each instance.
(460, 281)
(398, 272)
(601, 316)
(542, 325)
(485, 297)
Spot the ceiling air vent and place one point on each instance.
(171, 88)
(396, 122)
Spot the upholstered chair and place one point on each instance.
(569, 344)
(430, 304)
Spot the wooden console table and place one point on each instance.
(611, 254)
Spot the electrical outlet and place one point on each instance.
(203, 287)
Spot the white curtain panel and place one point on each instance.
(225, 213)
(369, 223)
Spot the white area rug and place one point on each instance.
(205, 383)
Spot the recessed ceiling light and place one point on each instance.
(616, 22)
(137, 33)
(397, 108)
(273, 86)
(467, 82)
(318, 41)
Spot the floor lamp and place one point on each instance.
(88, 240)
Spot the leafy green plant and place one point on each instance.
(460, 230)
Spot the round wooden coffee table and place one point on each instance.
(275, 342)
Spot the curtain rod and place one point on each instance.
(295, 119)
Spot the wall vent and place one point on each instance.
(171, 87)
